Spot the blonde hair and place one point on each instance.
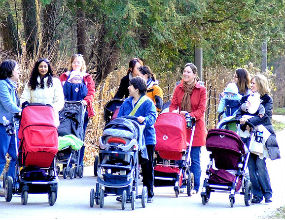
(80, 56)
(262, 84)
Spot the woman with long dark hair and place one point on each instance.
(43, 87)
(133, 71)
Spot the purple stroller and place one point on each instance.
(227, 170)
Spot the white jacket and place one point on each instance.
(48, 95)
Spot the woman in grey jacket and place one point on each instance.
(9, 75)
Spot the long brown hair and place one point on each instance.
(243, 83)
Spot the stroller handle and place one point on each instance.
(237, 122)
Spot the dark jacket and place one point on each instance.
(123, 91)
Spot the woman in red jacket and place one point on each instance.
(72, 89)
(190, 96)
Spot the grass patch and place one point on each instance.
(278, 214)
(278, 126)
(279, 111)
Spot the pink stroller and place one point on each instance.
(227, 170)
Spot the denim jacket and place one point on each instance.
(8, 100)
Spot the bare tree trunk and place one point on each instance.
(49, 29)
(9, 32)
(107, 56)
(81, 29)
(31, 24)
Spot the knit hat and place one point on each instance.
(232, 88)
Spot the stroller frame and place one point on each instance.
(119, 179)
(184, 178)
(73, 155)
(241, 177)
(23, 186)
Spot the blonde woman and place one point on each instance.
(73, 91)
(259, 177)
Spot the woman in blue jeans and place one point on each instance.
(190, 96)
(9, 75)
(259, 177)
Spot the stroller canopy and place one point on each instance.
(170, 132)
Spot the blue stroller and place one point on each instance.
(118, 171)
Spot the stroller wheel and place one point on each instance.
(247, 193)
(232, 201)
(144, 196)
(8, 188)
(24, 197)
(64, 172)
(133, 199)
(204, 199)
(176, 190)
(71, 173)
(101, 198)
(92, 197)
(124, 199)
(51, 198)
(80, 171)
(190, 183)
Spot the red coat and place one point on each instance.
(198, 108)
(90, 94)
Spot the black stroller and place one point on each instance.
(227, 170)
(71, 129)
(118, 171)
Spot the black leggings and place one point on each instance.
(147, 170)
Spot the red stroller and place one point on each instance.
(35, 170)
(227, 170)
(173, 152)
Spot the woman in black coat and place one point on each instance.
(259, 177)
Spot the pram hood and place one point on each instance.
(171, 132)
(224, 139)
(127, 129)
(71, 119)
(37, 115)
(38, 135)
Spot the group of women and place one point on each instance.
(189, 97)
(42, 87)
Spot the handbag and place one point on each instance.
(256, 145)
(272, 147)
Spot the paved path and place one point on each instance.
(73, 201)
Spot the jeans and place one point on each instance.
(195, 167)
(82, 149)
(8, 145)
(260, 181)
(147, 171)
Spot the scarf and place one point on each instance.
(186, 100)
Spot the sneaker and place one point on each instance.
(149, 199)
(119, 199)
(256, 200)
(194, 192)
(268, 200)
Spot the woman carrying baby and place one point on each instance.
(259, 177)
